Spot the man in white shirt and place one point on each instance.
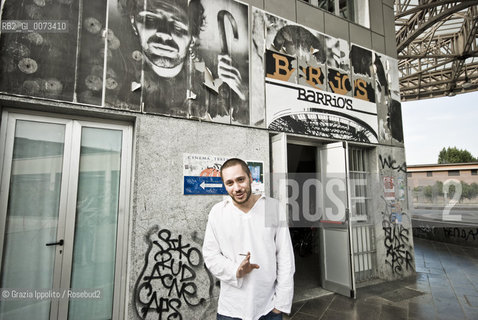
(247, 247)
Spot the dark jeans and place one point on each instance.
(270, 316)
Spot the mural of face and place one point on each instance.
(163, 29)
(237, 183)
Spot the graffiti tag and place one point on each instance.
(168, 278)
(390, 163)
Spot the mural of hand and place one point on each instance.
(230, 75)
(246, 266)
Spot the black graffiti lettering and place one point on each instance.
(392, 164)
(175, 304)
(167, 281)
(461, 233)
(320, 97)
(349, 104)
(397, 245)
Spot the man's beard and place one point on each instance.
(248, 193)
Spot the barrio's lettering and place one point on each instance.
(361, 89)
(324, 99)
(313, 76)
(279, 66)
(339, 83)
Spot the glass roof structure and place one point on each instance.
(437, 47)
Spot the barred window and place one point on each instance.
(359, 183)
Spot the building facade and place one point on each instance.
(420, 174)
(116, 116)
(438, 184)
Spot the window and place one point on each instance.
(474, 172)
(359, 183)
(353, 10)
(429, 174)
(453, 173)
(363, 231)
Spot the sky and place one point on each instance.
(432, 124)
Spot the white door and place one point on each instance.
(279, 167)
(62, 215)
(335, 241)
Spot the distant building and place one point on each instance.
(427, 174)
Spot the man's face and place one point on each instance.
(237, 183)
(163, 28)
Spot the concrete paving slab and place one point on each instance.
(446, 289)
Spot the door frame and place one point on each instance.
(282, 140)
(68, 194)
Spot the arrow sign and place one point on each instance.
(205, 185)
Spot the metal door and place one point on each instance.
(335, 241)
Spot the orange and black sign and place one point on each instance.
(313, 76)
(280, 66)
(339, 82)
(364, 90)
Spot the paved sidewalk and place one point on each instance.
(445, 287)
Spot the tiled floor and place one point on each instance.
(445, 287)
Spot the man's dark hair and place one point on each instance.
(233, 162)
(195, 12)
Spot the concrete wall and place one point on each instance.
(159, 204)
(454, 233)
(394, 239)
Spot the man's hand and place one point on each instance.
(276, 311)
(246, 266)
(230, 75)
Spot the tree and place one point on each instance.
(454, 155)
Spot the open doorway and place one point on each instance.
(310, 179)
(302, 163)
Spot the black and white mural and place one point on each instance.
(387, 90)
(182, 58)
(312, 85)
(362, 73)
(39, 63)
(187, 58)
(192, 59)
(338, 66)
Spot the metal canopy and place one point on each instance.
(437, 47)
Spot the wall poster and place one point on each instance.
(389, 188)
(387, 91)
(187, 58)
(257, 172)
(202, 174)
(193, 64)
(312, 84)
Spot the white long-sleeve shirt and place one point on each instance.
(264, 233)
